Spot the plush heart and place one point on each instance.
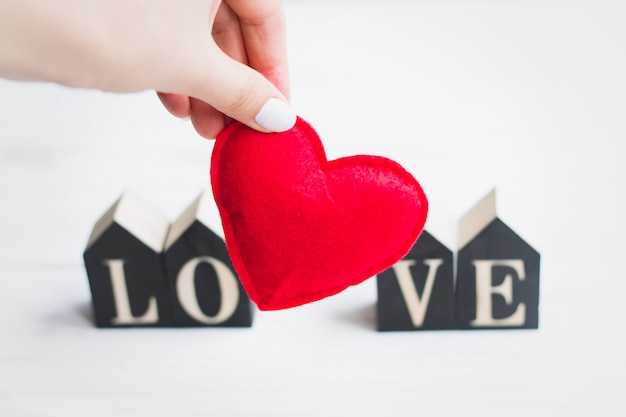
(299, 227)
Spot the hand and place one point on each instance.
(208, 59)
(251, 32)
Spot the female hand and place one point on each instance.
(208, 59)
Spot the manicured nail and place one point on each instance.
(276, 116)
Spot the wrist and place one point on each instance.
(42, 41)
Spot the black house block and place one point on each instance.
(202, 279)
(497, 282)
(124, 267)
(417, 293)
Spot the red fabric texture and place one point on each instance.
(300, 228)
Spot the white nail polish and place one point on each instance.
(276, 116)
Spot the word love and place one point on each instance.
(496, 285)
(145, 272)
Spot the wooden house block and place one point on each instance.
(497, 279)
(205, 288)
(417, 292)
(124, 267)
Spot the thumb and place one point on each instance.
(243, 94)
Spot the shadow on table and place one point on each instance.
(364, 316)
(85, 311)
(78, 315)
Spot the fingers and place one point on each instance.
(227, 34)
(240, 72)
(207, 121)
(263, 28)
(177, 104)
(252, 32)
(230, 88)
(239, 92)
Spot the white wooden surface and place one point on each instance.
(525, 96)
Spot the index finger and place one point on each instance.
(263, 27)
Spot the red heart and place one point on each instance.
(299, 227)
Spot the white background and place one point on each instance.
(526, 96)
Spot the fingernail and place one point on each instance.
(276, 116)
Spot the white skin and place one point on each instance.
(209, 60)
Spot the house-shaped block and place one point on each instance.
(205, 287)
(124, 267)
(417, 293)
(497, 278)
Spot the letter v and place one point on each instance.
(416, 305)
